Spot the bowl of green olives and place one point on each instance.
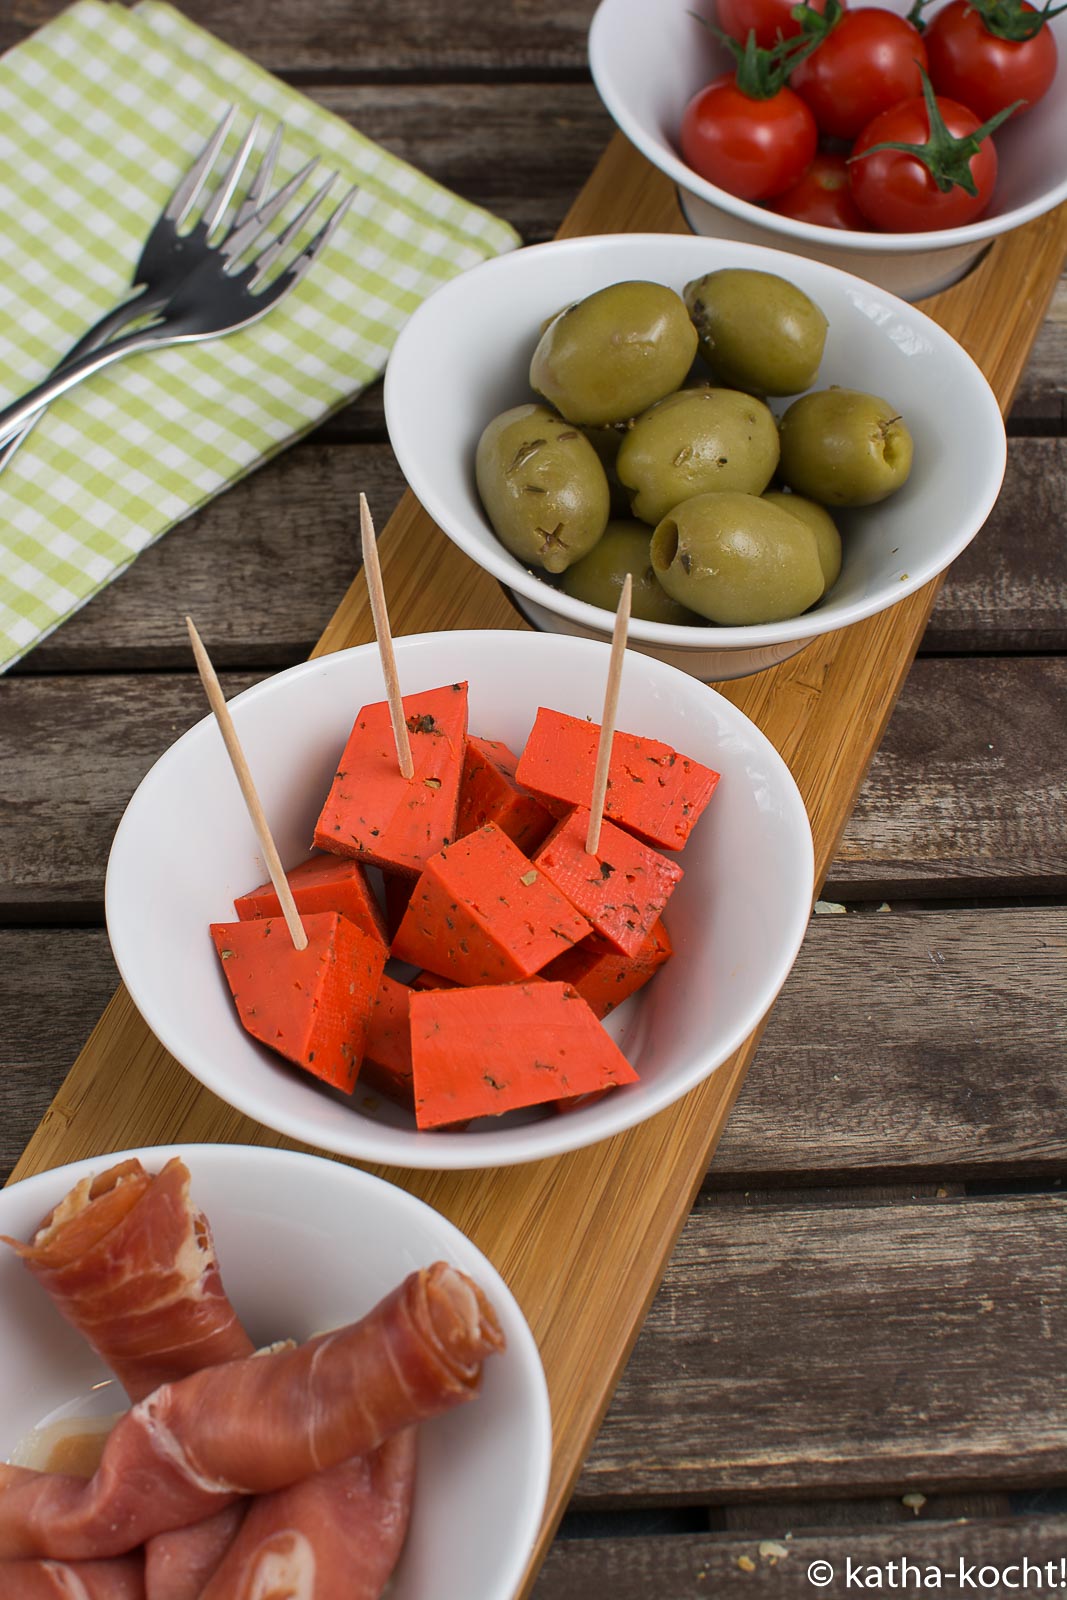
(650, 63)
(770, 447)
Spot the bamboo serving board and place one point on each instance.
(583, 1239)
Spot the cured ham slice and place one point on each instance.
(129, 1261)
(335, 1536)
(73, 1580)
(253, 1426)
(178, 1564)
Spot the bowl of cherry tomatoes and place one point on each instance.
(894, 144)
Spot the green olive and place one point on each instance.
(737, 560)
(757, 331)
(822, 526)
(698, 441)
(598, 577)
(614, 353)
(542, 486)
(844, 448)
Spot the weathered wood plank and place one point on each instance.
(334, 38)
(783, 1518)
(290, 529)
(72, 752)
(53, 986)
(544, 139)
(1042, 395)
(911, 1043)
(1008, 590)
(845, 1349)
(694, 1566)
(967, 792)
(921, 1090)
(965, 796)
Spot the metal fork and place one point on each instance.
(167, 254)
(169, 257)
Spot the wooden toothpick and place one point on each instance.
(248, 789)
(607, 721)
(385, 639)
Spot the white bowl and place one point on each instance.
(648, 62)
(307, 1244)
(483, 326)
(185, 847)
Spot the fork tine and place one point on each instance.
(314, 248)
(187, 193)
(266, 258)
(216, 208)
(262, 180)
(242, 236)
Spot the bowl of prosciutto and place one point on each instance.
(235, 1370)
(482, 983)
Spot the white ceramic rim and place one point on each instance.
(428, 1150)
(463, 1251)
(988, 227)
(495, 560)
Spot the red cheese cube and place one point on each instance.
(482, 913)
(374, 813)
(653, 791)
(621, 889)
(602, 976)
(322, 883)
(479, 1052)
(312, 1006)
(387, 1052)
(489, 793)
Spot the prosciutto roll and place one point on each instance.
(250, 1427)
(130, 1262)
(75, 1580)
(335, 1536)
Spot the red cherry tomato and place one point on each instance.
(823, 196)
(869, 61)
(754, 149)
(769, 20)
(897, 192)
(984, 71)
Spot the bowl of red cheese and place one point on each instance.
(479, 988)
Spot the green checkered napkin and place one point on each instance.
(101, 112)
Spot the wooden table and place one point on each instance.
(866, 1300)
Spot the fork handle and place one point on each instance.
(14, 417)
(139, 305)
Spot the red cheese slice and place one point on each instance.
(312, 1006)
(374, 813)
(387, 1052)
(653, 791)
(621, 889)
(322, 883)
(480, 1052)
(602, 976)
(482, 913)
(489, 793)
